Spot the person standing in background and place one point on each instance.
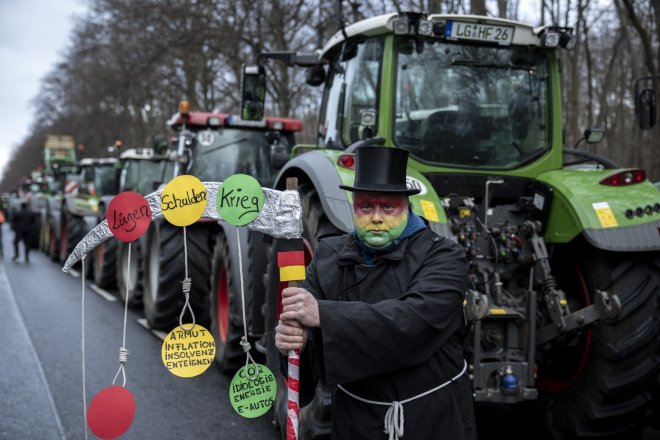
(23, 224)
(2, 222)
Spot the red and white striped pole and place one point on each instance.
(293, 385)
(292, 269)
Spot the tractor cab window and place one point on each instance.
(141, 175)
(105, 180)
(218, 154)
(471, 106)
(352, 88)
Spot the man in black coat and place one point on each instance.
(23, 225)
(380, 319)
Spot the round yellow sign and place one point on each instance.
(183, 200)
(188, 353)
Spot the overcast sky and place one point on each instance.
(33, 34)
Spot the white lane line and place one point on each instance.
(74, 273)
(157, 333)
(6, 286)
(102, 293)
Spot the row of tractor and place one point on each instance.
(564, 299)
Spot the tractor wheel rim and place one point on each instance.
(222, 296)
(154, 268)
(64, 242)
(549, 382)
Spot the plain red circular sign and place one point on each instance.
(111, 412)
(128, 216)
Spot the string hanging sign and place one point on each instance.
(252, 391)
(189, 349)
(112, 410)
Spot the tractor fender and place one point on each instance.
(319, 169)
(582, 206)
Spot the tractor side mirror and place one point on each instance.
(594, 135)
(645, 108)
(315, 75)
(253, 92)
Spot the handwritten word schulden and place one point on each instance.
(171, 201)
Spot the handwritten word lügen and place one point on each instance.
(128, 221)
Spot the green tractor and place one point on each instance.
(60, 161)
(212, 147)
(82, 206)
(563, 304)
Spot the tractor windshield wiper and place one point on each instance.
(239, 141)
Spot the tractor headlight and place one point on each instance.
(401, 26)
(424, 27)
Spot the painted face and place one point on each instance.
(379, 218)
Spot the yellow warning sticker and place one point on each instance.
(605, 215)
(463, 212)
(494, 311)
(430, 213)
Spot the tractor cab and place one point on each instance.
(214, 146)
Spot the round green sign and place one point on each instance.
(240, 199)
(252, 397)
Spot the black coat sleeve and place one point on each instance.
(360, 340)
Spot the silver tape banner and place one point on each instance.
(281, 217)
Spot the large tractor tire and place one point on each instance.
(226, 311)
(164, 270)
(600, 382)
(315, 419)
(73, 229)
(105, 264)
(133, 279)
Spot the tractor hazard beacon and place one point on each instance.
(170, 201)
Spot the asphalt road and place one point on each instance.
(41, 369)
(41, 366)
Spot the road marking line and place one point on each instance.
(5, 285)
(102, 293)
(74, 273)
(157, 333)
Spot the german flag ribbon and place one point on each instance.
(291, 260)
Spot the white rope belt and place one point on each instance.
(394, 416)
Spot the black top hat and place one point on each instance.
(381, 169)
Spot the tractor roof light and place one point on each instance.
(401, 26)
(550, 38)
(567, 40)
(625, 178)
(184, 108)
(424, 27)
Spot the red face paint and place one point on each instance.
(365, 203)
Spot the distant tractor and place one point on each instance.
(60, 161)
(213, 147)
(81, 207)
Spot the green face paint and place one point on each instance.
(380, 218)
